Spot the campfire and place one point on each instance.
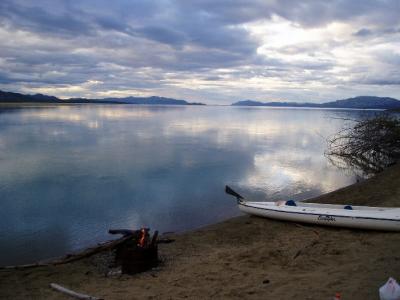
(139, 253)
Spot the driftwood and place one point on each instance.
(71, 293)
(76, 256)
(125, 232)
(130, 237)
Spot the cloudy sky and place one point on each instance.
(213, 51)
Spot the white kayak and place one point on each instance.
(363, 217)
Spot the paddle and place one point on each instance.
(229, 191)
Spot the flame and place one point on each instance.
(142, 238)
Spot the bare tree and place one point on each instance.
(368, 146)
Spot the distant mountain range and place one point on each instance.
(361, 102)
(8, 97)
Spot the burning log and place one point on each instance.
(138, 254)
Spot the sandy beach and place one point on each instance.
(245, 258)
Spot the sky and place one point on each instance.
(211, 51)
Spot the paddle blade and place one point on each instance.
(229, 191)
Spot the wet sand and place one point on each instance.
(245, 258)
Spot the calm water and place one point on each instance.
(68, 174)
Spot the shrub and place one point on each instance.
(369, 146)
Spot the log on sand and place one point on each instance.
(71, 293)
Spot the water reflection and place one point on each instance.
(68, 174)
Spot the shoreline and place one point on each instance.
(245, 257)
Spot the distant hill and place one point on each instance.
(361, 102)
(153, 100)
(16, 97)
(274, 104)
(8, 97)
(365, 102)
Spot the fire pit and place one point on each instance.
(139, 253)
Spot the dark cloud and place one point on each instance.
(384, 82)
(38, 19)
(307, 13)
(163, 35)
(5, 79)
(363, 32)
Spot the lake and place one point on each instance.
(70, 173)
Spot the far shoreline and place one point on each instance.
(58, 104)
